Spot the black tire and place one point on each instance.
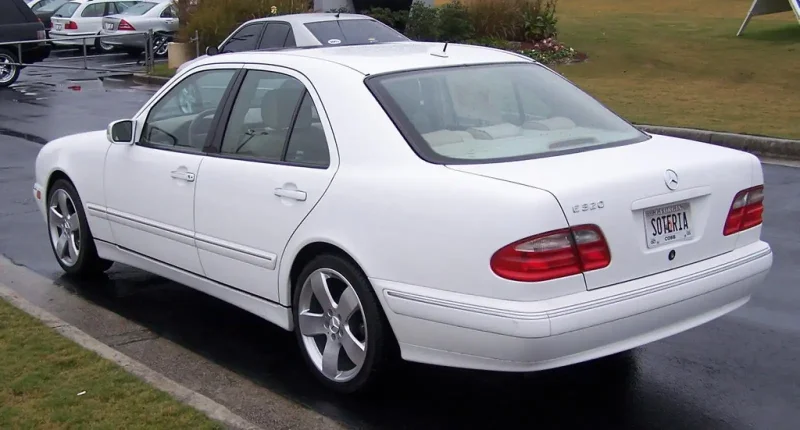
(7, 80)
(380, 339)
(98, 46)
(160, 44)
(88, 263)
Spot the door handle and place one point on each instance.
(186, 176)
(291, 194)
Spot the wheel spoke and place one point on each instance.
(354, 349)
(62, 203)
(330, 359)
(55, 218)
(319, 284)
(311, 324)
(72, 250)
(74, 224)
(348, 304)
(61, 245)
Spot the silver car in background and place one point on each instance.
(161, 16)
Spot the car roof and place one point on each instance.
(304, 18)
(381, 57)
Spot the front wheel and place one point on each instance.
(70, 239)
(339, 325)
(9, 73)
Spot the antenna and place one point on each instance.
(445, 47)
(337, 15)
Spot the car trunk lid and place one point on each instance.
(661, 204)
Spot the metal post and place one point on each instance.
(19, 53)
(84, 53)
(152, 54)
(196, 44)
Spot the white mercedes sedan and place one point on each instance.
(447, 204)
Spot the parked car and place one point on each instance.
(305, 30)
(159, 16)
(459, 205)
(19, 23)
(44, 10)
(84, 18)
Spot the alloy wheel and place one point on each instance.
(65, 228)
(7, 70)
(160, 46)
(332, 324)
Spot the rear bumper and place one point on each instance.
(56, 35)
(450, 329)
(122, 40)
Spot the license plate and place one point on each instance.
(58, 26)
(109, 26)
(668, 224)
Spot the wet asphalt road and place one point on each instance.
(740, 371)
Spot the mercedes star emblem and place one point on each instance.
(671, 179)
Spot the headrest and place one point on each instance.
(277, 107)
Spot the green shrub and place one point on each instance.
(395, 19)
(214, 20)
(517, 20)
(447, 23)
(423, 22)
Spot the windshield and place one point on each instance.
(139, 9)
(499, 112)
(353, 32)
(48, 5)
(66, 10)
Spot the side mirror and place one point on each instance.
(212, 50)
(120, 132)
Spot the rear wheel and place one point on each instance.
(160, 45)
(70, 239)
(342, 332)
(102, 47)
(8, 73)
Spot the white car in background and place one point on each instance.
(161, 16)
(460, 206)
(84, 18)
(304, 30)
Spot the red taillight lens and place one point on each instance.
(125, 25)
(747, 210)
(71, 25)
(553, 255)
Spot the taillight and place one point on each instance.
(552, 255)
(41, 35)
(71, 25)
(747, 210)
(125, 25)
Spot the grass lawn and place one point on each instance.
(41, 374)
(162, 70)
(679, 63)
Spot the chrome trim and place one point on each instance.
(235, 251)
(580, 307)
(96, 211)
(185, 237)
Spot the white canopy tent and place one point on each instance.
(766, 7)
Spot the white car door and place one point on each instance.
(150, 185)
(275, 161)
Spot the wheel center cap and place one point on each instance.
(336, 324)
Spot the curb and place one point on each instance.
(145, 79)
(184, 395)
(758, 145)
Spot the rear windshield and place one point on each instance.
(138, 9)
(66, 10)
(353, 32)
(498, 112)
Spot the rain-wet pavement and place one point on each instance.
(740, 371)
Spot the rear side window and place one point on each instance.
(48, 5)
(353, 32)
(10, 13)
(96, 10)
(275, 36)
(138, 8)
(244, 39)
(66, 10)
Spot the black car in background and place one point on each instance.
(19, 23)
(44, 10)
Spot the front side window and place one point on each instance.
(183, 117)
(136, 9)
(353, 32)
(275, 119)
(498, 112)
(244, 39)
(48, 5)
(96, 10)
